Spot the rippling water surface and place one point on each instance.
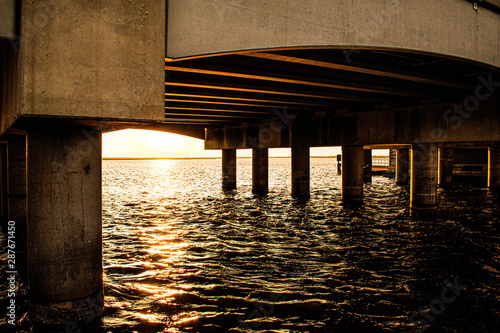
(181, 255)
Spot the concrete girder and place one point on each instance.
(436, 123)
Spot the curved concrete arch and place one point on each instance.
(350, 52)
(196, 132)
(451, 28)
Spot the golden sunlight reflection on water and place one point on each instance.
(182, 255)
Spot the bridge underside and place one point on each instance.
(419, 103)
(250, 87)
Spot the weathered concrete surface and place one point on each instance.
(16, 192)
(494, 167)
(445, 166)
(430, 123)
(300, 172)
(229, 169)
(353, 160)
(260, 171)
(424, 172)
(65, 225)
(92, 59)
(10, 93)
(367, 167)
(448, 27)
(402, 166)
(7, 19)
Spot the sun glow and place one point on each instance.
(133, 143)
(152, 144)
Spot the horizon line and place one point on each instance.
(207, 158)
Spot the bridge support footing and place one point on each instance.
(260, 171)
(445, 166)
(424, 164)
(300, 172)
(16, 193)
(402, 166)
(367, 168)
(229, 169)
(64, 226)
(353, 160)
(494, 168)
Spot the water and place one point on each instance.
(180, 255)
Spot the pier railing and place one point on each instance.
(381, 161)
(377, 161)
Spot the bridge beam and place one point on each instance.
(402, 126)
(494, 167)
(64, 226)
(402, 166)
(368, 166)
(229, 169)
(260, 170)
(424, 164)
(300, 172)
(445, 167)
(353, 160)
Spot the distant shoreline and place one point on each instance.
(202, 158)
(192, 158)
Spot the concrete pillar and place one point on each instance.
(402, 166)
(260, 171)
(367, 168)
(64, 225)
(424, 168)
(392, 159)
(300, 172)
(494, 167)
(445, 166)
(229, 169)
(4, 200)
(353, 159)
(16, 191)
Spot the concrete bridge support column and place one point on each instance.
(16, 191)
(392, 159)
(229, 169)
(445, 166)
(402, 166)
(4, 201)
(424, 164)
(260, 170)
(300, 172)
(353, 160)
(367, 168)
(494, 168)
(64, 225)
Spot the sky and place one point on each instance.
(154, 144)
